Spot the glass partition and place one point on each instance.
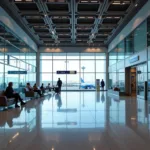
(15, 55)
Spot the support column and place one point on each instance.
(107, 72)
(38, 68)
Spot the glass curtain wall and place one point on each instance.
(15, 55)
(116, 67)
(89, 67)
(148, 42)
(133, 43)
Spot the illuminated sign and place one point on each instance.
(17, 72)
(66, 72)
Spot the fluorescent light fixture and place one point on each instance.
(90, 17)
(84, 1)
(108, 17)
(116, 3)
(53, 32)
(82, 17)
(117, 17)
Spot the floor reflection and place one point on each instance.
(77, 120)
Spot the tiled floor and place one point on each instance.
(77, 121)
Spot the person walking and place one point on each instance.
(102, 84)
(59, 84)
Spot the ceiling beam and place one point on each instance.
(48, 21)
(73, 21)
(103, 6)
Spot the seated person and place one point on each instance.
(49, 87)
(10, 93)
(42, 88)
(28, 87)
(35, 89)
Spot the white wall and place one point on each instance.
(72, 49)
(134, 23)
(16, 29)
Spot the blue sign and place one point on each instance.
(66, 72)
(134, 59)
(17, 72)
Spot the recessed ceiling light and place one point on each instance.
(136, 5)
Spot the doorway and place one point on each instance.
(131, 81)
(136, 81)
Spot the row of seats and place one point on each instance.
(6, 102)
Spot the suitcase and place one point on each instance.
(57, 90)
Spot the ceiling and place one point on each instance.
(72, 22)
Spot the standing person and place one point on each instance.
(10, 93)
(102, 84)
(59, 84)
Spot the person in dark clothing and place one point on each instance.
(59, 84)
(42, 88)
(10, 93)
(102, 84)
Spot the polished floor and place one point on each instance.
(77, 121)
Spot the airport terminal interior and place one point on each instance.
(93, 59)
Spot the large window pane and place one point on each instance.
(100, 65)
(129, 46)
(46, 78)
(46, 66)
(73, 65)
(88, 77)
(140, 38)
(73, 82)
(89, 66)
(121, 50)
(59, 65)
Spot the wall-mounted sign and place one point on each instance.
(134, 59)
(17, 72)
(66, 72)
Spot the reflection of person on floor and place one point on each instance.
(98, 96)
(8, 116)
(59, 84)
(102, 97)
(59, 103)
(10, 93)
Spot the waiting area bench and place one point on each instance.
(4, 101)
